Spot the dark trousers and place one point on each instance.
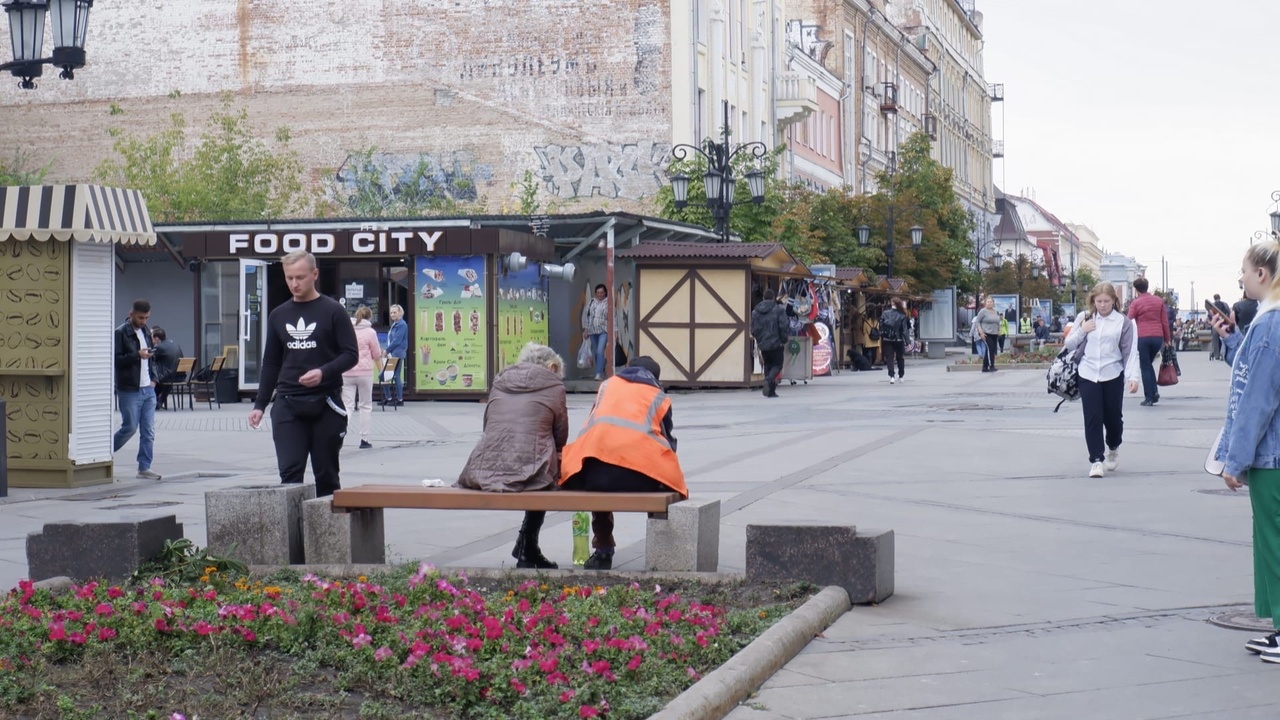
(772, 362)
(894, 349)
(303, 428)
(1103, 404)
(1149, 350)
(597, 476)
(869, 352)
(989, 360)
(1001, 339)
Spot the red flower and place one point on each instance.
(57, 632)
(105, 609)
(567, 695)
(518, 686)
(635, 662)
(115, 593)
(588, 711)
(106, 633)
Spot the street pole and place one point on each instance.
(609, 282)
(1193, 295)
(888, 252)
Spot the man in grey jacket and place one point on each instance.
(769, 327)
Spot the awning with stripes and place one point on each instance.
(88, 213)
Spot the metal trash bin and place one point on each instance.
(797, 359)
(227, 387)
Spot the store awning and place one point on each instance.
(88, 213)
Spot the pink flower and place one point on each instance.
(548, 665)
(382, 653)
(592, 622)
(588, 711)
(519, 687)
(105, 634)
(635, 662)
(557, 678)
(692, 673)
(177, 716)
(361, 640)
(567, 695)
(105, 610)
(115, 593)
(204, 628)
(590, 646)
(56, 631)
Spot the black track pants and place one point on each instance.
(305, 427)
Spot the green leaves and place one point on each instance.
(21, 170)
(228, 173)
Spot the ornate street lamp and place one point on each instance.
(864, 232)
(1275, 216)
(718, 181)
(69, 20)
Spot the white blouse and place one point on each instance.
(1102, 360)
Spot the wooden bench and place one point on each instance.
(682, 535)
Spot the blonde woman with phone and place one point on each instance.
(1250, 446)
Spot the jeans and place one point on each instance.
(1103, 403)
(138, 415)
(599, 341)
(1148, 351)
(399, 381)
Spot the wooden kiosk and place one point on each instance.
(57, 285)
(694, 301)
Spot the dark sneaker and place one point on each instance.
(1263, 644)
(598, 561)
(537, 561)
(365, 444)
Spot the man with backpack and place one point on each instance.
(769, 327)
(893, 335)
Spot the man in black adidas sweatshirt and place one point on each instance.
(309, 344)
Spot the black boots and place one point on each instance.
(599, 561)
(526, 551)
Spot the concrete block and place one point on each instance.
(688, 540)
(859, 562)
(111, 550)
(258, 524)
(342, 538)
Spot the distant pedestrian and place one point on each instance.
(135, 376)
(1041, 333)
(1215, 344)
(893, 336)
(309, 345)
(1106, 345)
(1243, 313)
(988, 322)
(1004, 332)
(769, 327)
(1250, 444)
(357, 383)
(397, 347)
(595, 327)
(1148, 311)
(166, 356)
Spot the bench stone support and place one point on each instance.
(342, 538)
(687, 539)
(860, 562)
(258, 524)
(111, 550)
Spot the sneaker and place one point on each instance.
(148, 475)
(599, 561)
(1113, 459)
(365, 444)
(1263, 644)
(1096, 471)
(1146, 403)
(892, 380)
(1270, 656)
(598, 378)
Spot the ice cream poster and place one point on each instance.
(522, 313)
(450, 334)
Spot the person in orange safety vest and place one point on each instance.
(626, 445)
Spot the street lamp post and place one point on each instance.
(864, 232)
(718, 181)
(69, 20)
(1275, 215)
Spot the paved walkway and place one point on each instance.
(1024, 588)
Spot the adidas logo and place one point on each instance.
(300, 333)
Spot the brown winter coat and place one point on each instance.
(525, 423)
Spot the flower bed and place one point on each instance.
(411, 643)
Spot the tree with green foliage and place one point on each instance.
(1018, 276)
(747, 220)
(228, 174)
(21, 170)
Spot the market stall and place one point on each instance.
(57, 272)
(693, 307)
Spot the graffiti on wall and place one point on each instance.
(612, 171)
(369, 180)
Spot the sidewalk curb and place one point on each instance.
(1000, 366)
(717, 694)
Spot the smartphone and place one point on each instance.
(1215, 310)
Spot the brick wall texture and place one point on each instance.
(576, 91)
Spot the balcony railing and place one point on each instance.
(797, 97)
(997, 148)
(996, 91)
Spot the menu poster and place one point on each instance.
(522, 313)
(450, 335)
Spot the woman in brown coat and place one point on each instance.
(526, 424)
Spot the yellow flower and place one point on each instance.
(362, 578)
(204, 578)
(542, 586)
(210, 570)
(763, 614)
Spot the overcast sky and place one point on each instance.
(1155, 123)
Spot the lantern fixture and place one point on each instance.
(70, 22)
(917, 236)
(680, 190)
(864, 235)
(718, 181)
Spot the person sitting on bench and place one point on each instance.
(626, 446)
(526, 425)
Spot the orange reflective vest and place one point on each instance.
(625, 429)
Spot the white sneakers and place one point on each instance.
(1096, 471)
(892, 379)
(1113, 459)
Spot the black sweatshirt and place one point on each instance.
(302, 337)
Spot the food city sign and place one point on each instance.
(394, 242)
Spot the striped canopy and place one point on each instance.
(88, 213)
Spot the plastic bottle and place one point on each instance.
(581, 548)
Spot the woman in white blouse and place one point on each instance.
(1105, 345)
